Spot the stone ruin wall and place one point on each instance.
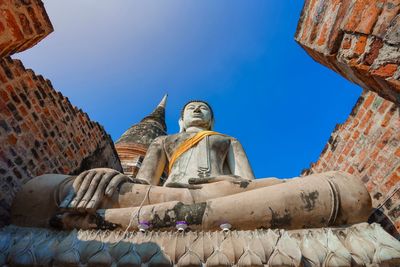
(356, 38)
(359, 40)
(40, 130)
(23, 23)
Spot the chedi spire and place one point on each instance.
(149, 128)
(132, 145)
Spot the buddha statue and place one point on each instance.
(210, 183)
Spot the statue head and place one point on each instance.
(196, 113)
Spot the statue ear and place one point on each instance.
(181, 127)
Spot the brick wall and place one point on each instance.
(23, 23)
(356, 38)
(367, 145)
(41, 132)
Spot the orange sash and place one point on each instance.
(188, 144)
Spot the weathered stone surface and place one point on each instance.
(23, 23)
(358, 39)
(361, 244)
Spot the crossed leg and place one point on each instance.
(134, 195)
(320, 200)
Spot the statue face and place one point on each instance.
(197, 114)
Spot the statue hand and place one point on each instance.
(90, 187)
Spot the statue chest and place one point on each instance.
(215, 144)
(205, 159)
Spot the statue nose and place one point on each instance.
(197, 109)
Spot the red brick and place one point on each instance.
(356, 134)
(37, 108)
(370, 16)
(24, 127)
(373, 51)
(388, 117)
(368, 128)
(391, 182)
(360, 45)
(346, 43)
(323, 35)
(12, 139)
(328, 156)
(385, 138)
(308, 21)
(366, 119)
(24, 22)
(397, 153)
(4, 96)
(385, 71)
(371, 186)
(362, 155)
(23, 111)
(372, 170)
(348, 147)
(12, 24)
(354, 17)
(375, 154)
(2, 28)
(354, 124)
(350, 170)
(369, 100)
(385, 104)
(360, 113)
(397, 225)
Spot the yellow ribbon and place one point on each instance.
(188, 144)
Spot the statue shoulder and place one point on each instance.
(226, 137)
(158, 141)
(169, 141)
(176, 138)
(173, 141)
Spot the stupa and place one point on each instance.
(133, 144)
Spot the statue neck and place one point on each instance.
(195, 129)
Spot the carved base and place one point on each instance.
(357, 245)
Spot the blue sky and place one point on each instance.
(116, 59)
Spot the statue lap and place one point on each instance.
(319, 200)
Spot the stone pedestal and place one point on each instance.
(357, 245)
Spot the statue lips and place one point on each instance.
(198, 115)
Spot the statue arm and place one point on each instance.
(153, 163)
(238, 162)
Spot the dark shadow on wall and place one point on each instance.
(380, 217)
